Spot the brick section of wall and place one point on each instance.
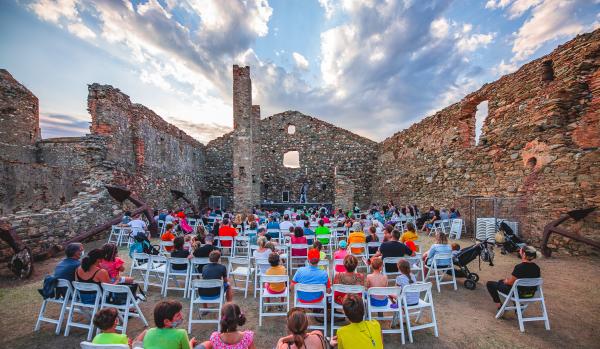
(344, 193)
(539, 144)
(19, 112)
(219, 168)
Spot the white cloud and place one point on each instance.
(473, 42)
(440, 28)
(494, 4)
(519, 7)
(300, 60)
(53, 10)
(81, 30)
(504, 68)
(328, 6)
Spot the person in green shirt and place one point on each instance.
(360, 334)
(322, 230)
(167, 316)
(107, 320)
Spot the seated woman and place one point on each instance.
(372, 237)
(440, 246)
(106, 319)
(524, 270)
(359, 333)
(262, 252)
(90, 272)
(349, 277)
(168, 236)
(179, 252)
(113, 264)
(299, 239)
(166, 335)
(230, 337)
(410, 234)
(297, 324)
(357, 236)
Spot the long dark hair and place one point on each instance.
(110, 251)
(91, 258)
(231, 318)
(297, 324)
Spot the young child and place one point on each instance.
(377, 279)
(168, 236)
(341, 254)
(275, 269)
(319, 247)
(455, 249)
(107, 320)
(187, 242)
(407, 278)
(113, 264)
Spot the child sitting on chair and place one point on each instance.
(107, 320)
(455, 249)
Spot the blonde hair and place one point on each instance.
(262, 241)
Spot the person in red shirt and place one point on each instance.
(168, 236)
(227, 230)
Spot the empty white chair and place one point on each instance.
(156, 270)
(334, 306)
(63, 300)
(301, 251)
(108, 291)
(163, 248)
(455, 228)
(437, 227)
(425, 302)
(88, 345)
(89, 309)
(417, 266)
(269, 299)
(198, 300)
(239, 270)
(113, 237)
(196, 264)
(228, 246)
(521, 302)
(139, 263)
(373, 311)
(176, 268)
(439, 267)
(310, 306)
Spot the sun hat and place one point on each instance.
(343, 244)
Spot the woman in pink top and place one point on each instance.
(300, 239)
(230, 337)
(340, 254)
(113, 264)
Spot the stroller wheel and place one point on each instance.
(473, 277)
(470, 284)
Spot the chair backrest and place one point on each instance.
(299, 246)
(239, 261)
(88, 345)
(384, 291)
(456, 225)
(212, 283)
(390, 260)
(116, 288)
(178, 261)
(158, 259)
(86, 286)
(274, 278)
(137, 256)
(348, 288)
(529, 282)
(261, 264)
(166, 243)
(417, 287)
(309, 288)
(64, 283)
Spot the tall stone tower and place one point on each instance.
(246, 178)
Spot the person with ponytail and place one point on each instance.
(90, 272)
(297, 324)
(229, 337)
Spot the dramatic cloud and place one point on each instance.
(300, 61)
(59, 125)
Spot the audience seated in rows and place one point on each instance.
(360, 333)
(348, 277)
(297, 325)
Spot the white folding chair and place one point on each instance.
(436, 227)
(269, 299)
(139, 263)
(310, 306)
(297, 261)
(425, 302)
(260, 267)
(194, 272)
(417, 266)
(339, 234)
(391, 261)
(63, 300)
(163, 248)
(89, 309)
(362, 255)
(334, 306)
(157, 270)
(113, 237)
(455, 228)
(241, 247)
(520, 303)
(396, 313)
(125, 312)
(231, 244)
(336, 262)
(239, 270)
(371, 245)
(174, 274)
(439, 267)
(88, 345)
(196, 299)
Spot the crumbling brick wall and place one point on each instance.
(539, 144)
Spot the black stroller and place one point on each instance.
(482, 250)
(512, 242)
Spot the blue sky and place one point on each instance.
(372, 66)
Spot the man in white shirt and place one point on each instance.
(170, 218)
(137, 225)
(286, 224)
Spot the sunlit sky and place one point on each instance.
(372, 66)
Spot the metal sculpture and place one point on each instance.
(181, 195)
(553, 227)
(21, 263)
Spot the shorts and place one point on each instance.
(210, 298)
(378, 302)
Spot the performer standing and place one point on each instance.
(304, 192)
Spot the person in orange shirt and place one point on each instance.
(357, 236)
(227, 230)
(168, 236)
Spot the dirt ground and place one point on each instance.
(465, 318)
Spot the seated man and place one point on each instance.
(311, 275)
(393, 248)
(525, 270)
(215, 271)
(137, 225)
(65, 269)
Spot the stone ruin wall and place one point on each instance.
(323, 149)
(53, 189)
(219, 168)
(539, 145)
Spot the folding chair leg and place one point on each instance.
(435, 327)
(545, 315)
(408, 327)
(520, 316)
(61, 317)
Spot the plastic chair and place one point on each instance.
(88, 345)
(311, 306)
(334, 306)
(241, 247)
(370, 245)
(175, 273)
(424, 303)
(260, 266)
(124, 309)
(63, 300)
(239, 269)
(266, 296)
(139, 262)
(163, 248)
(196, 299)
(455, 229)
(396, 312)
(416, 266)
(439, 271)
(77, 303)
(394, 261)
(231, 244)
(194, 271)
(297, 261)
(157, 268)
(521, 303)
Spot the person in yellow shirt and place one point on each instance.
(275, 269)
(360, 334)
(410, 234)
(357, 236)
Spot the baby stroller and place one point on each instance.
(482, 250)
(512, 242)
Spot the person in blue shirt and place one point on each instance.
(310, 235)
(311, 275)
(65, 269)
(440, 246)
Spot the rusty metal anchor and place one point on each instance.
(553, 227)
